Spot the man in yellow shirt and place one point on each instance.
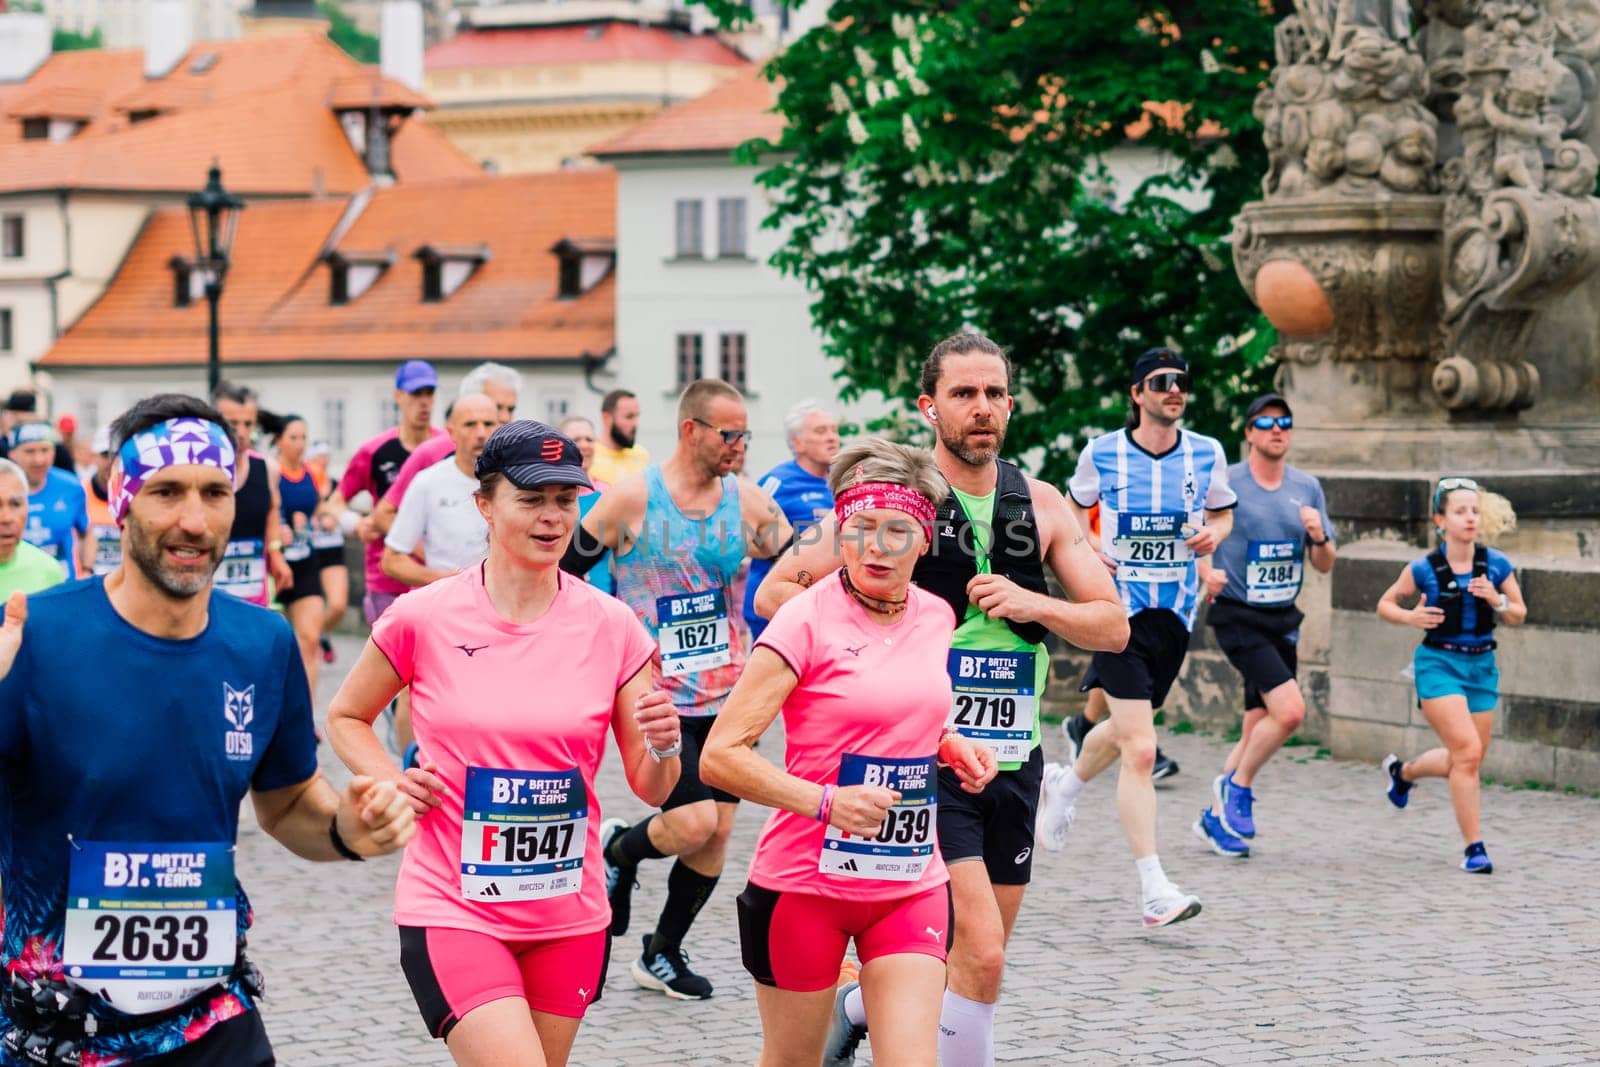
(615, 455)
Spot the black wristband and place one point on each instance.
(582, 553)
(338, 842)
(1319, 544)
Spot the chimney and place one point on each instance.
(167, 37)
(25, 40)
(401, 42)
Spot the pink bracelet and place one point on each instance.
(825, 808)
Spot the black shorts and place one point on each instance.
(307, 581)
(1259, 642)
(995, 825)
(237, 1042)
(328, 557)
(1145, 670)
(690, 789)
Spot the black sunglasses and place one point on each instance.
(1166, 383)
(729, 437)
(1267, 422)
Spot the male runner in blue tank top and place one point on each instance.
(992, 541)
(1280, 523)
(1164, 500)
(678, 533)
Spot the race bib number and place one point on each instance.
(692, 630)
(523, 834)
(244, 570)
(904, 846)
(298, 550)
(150, 925)
(107, 548)
(1273, 571)
(327, 539)
(993, 700)
(1150, 548)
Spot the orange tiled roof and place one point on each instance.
(372, 89)
(276, 309)
(608, 42)
(83, 81)
(734, 112)
(260, 106)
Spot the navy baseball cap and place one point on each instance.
(416, 374)
(1155, 359)
(531, 454)
(1266, 400)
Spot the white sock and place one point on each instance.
(855, 1009)
(1151, 876)
(1071, 786)
(966, 1032)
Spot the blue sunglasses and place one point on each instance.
(1267, 422)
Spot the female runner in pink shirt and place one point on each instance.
(856, 666)
(516, 673)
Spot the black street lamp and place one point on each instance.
(214, 216)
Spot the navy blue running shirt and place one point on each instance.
(114, 740)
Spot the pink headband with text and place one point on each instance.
(865, 496)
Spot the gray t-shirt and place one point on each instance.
(1264, 556)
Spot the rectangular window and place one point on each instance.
(5, 329)
(557, 406)
(690, 242)
(731, 359)
(35, 129)
(571, 281)
(730, 227)
(388, 412)
(333, 422)
(12, 244)
(338, 284)
(691, 349)
(432, 281)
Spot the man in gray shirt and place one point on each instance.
(1281, 521)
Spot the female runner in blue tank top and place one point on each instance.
(1462, 589)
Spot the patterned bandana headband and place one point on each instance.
(864, 496)
(26, 433)
(174, 443)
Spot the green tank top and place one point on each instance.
(979, 632)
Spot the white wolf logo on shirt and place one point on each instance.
(239, 708)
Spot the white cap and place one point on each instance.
(102, 440)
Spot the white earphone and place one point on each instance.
(933, 416)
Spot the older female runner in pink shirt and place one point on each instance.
(856, 666)
(517, 672)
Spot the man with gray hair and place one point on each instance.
(800, 486)
(23, 567)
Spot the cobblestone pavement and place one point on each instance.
(1349, 936)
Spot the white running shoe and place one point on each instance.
(1169, 905)
(1056, 813)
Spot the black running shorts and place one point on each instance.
(237, 1042)
(690, 789)
(1145, 670)
(307, 581)
(995, 825)
(1259, 642)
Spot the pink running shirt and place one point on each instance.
(533, 699)
(864, 690)
(372, 469)
(422, 457)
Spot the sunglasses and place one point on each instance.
(1171, 381)
(1267, 422)
(1448, 485)
(729, 437)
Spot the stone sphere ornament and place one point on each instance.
(1292, 299)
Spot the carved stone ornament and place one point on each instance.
(1434, 185)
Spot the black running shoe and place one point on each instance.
(668, 972)
(620, 879)
(1165, 766)
(844, 1036)
(1076, 729)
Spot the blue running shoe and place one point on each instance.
(1234, 806)
(408, 759)
(1399, 788)
(1477, 860)
(1209, 829)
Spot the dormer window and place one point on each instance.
(45, 128)
(446, 268)
(352, 273)
(188, 281)
(584, 264)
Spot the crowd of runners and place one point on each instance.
(533, 589)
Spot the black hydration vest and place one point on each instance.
(1452, 595)
(1014, 549)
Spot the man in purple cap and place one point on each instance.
(372, 470)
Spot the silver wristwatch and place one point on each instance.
(665, 753)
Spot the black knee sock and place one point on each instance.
(687, 892)
(633, 845)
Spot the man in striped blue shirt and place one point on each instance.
(1164, 501)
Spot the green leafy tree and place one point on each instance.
(67, 41)
(945, 164)
(342, 31)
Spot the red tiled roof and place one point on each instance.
(372, 89)
(734, 112)
(275, 307)
(262, 110)
(606, 42)
(81, 80)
